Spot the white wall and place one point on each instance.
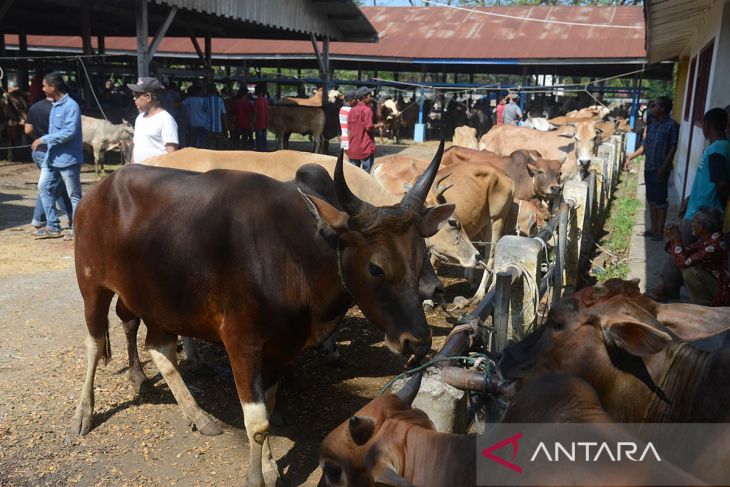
(717, 28)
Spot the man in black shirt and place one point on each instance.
(36, 125)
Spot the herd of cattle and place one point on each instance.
(605, 354)
(198, 243)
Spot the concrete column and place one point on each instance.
(526, 255)
(576, 191)
(445, 405)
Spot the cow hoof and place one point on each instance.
(137, 378)
(210, 428)
(80, 426)
(428, 305)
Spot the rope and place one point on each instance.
(93, 91)
(15, 147)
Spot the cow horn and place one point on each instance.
(352, 204)
(417, 195)
(409, 391)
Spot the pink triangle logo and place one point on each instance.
(512, 440)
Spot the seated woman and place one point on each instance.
(703, 263)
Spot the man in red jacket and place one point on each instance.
(361, 147)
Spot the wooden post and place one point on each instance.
(143, 65)
(22, 65)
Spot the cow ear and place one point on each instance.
(384, 474)
(531, 169)
(634, 336)
(361, 429)
(326, 214)
(693, 322)
(432, 219)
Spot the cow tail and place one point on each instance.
(107, 356)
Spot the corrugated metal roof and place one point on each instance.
(433, 34)
(267, 19)
(671, 25)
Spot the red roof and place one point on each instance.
(445, 33)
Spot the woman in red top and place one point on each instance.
(261, 120)
(703, 263)
(242, 115)
(500, 110)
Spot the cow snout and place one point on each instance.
(584, 162)
(417, 347)
(555, 189)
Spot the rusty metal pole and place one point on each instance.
(502, 290)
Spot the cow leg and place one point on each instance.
(163, 350)
(97, 155)
(271, 471)
(96, 309)
(131, 327)
(191, 353)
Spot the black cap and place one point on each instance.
(362, 91)
(350, 95)
(146, 85)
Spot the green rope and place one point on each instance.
(471, 359)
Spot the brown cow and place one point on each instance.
(264, 295)
(619, 341)
(534, 177)
(285, 120)
(13, 112)
(466, 136)
(560, 399)
(573, 146)
(387, 442)
(313, 101)
(450, 243)
(482, 194)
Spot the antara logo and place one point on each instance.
(594, 451)
(579, 451)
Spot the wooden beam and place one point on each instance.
(140, 10)
(86, 27)
(317, 53)
(196, 45)
(208, 51)
(100, 44)
(160, 34)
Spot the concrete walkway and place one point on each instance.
(646, 257)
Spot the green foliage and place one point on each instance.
(619, 226)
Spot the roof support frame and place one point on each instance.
(145, 53)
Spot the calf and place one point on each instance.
(102, 135)
(387, 442)
(264, 295)
(574, 146)
(534, 177)
(622, 343)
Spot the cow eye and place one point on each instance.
(556, 325)
(453, 222)
(332, 471)
(540, 171)
(376, 270)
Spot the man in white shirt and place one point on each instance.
(155, 131)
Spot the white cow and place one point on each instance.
(103, 135)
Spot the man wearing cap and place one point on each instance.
(64, 154)
(350, 101)
(361, 139)
(155, 131)
(512, 113)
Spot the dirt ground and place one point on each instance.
(144, 440)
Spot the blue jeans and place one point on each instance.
(366, 163)
(50, 177)
(261, 140)
(63, 202)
